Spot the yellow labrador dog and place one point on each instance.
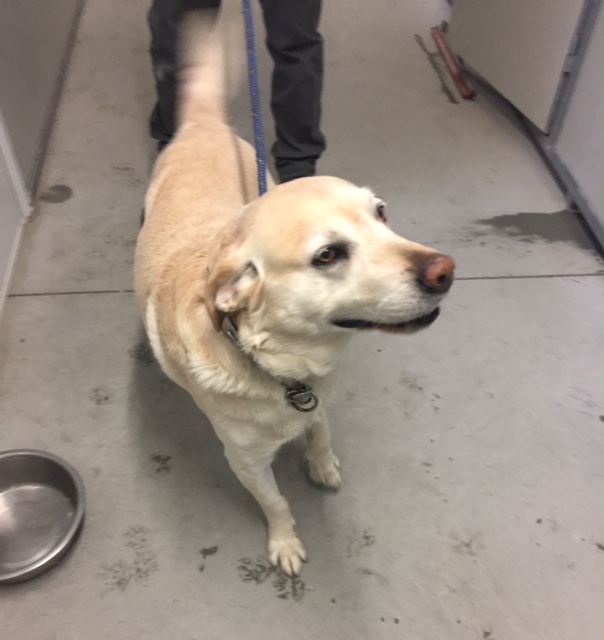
(248, 302)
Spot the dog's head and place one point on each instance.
(315, 257)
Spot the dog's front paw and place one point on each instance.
(287, 553)
(324, 470)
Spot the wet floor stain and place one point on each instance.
(260, 571)
(561, 226)
(56, 194)
(119, 575)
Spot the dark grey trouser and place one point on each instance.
(296, 47)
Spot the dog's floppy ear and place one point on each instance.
(232, 286)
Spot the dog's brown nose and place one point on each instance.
(435, 275)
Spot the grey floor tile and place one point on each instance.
(448, 171)
(472, 475)
(101, 151)
(471, 505)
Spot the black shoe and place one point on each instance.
(162, 144)
(158, 130)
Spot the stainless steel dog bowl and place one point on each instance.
(41, 512)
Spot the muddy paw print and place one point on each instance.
(260, 571)
(160, 463)
(142, 563)
(206, 553)
(100, 396)
(367, 539)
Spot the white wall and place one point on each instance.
(14, 209)
(518, 46)
(579, 144)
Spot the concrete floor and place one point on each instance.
(472, 497)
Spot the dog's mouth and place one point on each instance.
(409, 326)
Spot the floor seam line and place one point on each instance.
(531, 277)
(67, 293)
(458, 279)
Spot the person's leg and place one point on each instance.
(164, 21)
(296, 48)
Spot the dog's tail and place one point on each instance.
(203, 83)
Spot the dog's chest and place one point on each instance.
(290, 423)
(248, 420)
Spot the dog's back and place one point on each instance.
(206, 174)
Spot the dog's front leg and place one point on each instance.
(252, 465)
(323, 464)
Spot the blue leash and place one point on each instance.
(252, 71)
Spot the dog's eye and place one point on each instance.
(380, 211)
(330, 254)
